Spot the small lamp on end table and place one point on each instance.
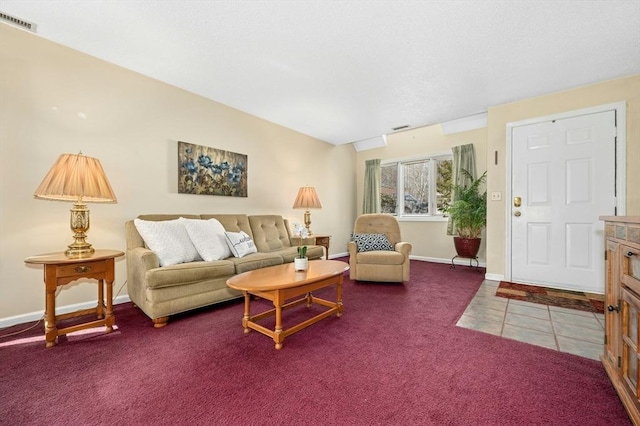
(79, 179)
(307, 199)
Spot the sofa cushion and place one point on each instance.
(254, 261)
(269, 232)
(168, 239)
(208, 238)
(290, 253)
(232, 222)
(188, 273)
(240, 243)
(371, 242)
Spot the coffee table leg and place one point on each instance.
(278, 337)
(247, 312)
(339, 297)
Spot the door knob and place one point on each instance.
(517, 201)
(612, 308)
(517, 213)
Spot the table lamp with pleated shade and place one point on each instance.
(79, 179)
(307, 199)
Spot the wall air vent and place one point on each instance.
(20, 23)
(395, 129)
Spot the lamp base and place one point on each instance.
(307, 222)
(75, 251)
(79, 223)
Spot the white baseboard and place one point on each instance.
(35, 316)
(460, 261)
(494, 277)
(337, 255)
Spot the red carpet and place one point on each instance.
(394, 358)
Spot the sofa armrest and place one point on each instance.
(139, 261)
(143, 258)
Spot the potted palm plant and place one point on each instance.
(468, 213)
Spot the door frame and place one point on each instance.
(620, 164)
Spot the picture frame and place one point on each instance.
(204, 170)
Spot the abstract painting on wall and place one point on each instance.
(211, 171)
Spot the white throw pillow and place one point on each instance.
(208, 238)
(168, 239)
(240, 243)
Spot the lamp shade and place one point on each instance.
(76, 177)
(307, 199)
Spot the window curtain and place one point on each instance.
(464, 158)
(372, 175)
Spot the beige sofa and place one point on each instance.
(163, 291)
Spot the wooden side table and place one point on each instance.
(60, 270)
(323, 240)
(314, 239)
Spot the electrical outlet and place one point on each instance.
(496, 196)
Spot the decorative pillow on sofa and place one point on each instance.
(208, 238)
(371, 242)
(168, 239)
(240, 243)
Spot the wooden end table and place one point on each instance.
(280, 283)
(60, 270)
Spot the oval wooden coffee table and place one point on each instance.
(280, 283)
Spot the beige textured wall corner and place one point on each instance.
(57, 100)
(429, 238)
(619, 90)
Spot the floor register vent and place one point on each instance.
(25, 25)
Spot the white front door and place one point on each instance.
(563, 172)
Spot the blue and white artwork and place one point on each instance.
(210, 171)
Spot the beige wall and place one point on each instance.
(132, 126)
(429, 239)
(619, 90)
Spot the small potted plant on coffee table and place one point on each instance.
(301, 263)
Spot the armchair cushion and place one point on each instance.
(371, 242)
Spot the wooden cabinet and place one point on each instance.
(622, 309)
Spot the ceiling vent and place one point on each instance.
(20, 23)
(395, 129)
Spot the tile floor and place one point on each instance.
(565, 330)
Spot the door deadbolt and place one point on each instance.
(517, 202)
(517, 213)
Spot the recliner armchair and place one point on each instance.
(386, 265)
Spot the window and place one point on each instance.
(423, 185)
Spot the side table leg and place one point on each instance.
(109, 319)
(100, 307)
(50, 327)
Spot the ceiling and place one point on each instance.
(349, 71)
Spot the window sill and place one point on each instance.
(422, 218)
